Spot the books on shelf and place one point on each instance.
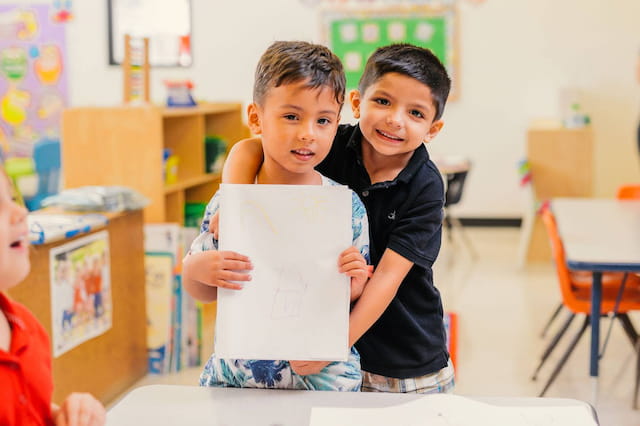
(174, 317)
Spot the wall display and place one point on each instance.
(354, 33)
(33, 81)
(166, 23)
(81, 306)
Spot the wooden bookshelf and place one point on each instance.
(124, 145)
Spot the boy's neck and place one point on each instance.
(272, 175)
(380, 167)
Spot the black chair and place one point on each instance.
(453, 195)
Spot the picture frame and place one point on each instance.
(167, 24)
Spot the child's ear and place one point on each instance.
(435, 128)
(354, 99)
(253, 119)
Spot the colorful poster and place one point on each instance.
(33, 82)
(81, 306)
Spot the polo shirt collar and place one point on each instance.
(420, 156)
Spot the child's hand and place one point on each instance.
(218, 268)
(353, 264)
(79, 409)
(306, 368)
(213, 225)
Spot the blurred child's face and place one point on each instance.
(396, 114)
(14, 254)
(297, 125)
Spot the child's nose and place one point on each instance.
(394, 118)
(307, 131)
(18, 213)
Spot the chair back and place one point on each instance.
(629, 192)
(455, 185)
(559, 257)
(574, 298)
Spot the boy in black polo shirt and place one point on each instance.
(397, 324)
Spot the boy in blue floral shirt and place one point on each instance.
(298, 94)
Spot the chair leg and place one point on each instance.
(553, 343)
(629, 329)
(447, 223)
(550, 321)
(566, 355)
(637, 387)
(463, 234)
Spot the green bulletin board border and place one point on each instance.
(357, 24)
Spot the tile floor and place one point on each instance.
(502, 308)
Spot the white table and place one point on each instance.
(193, 405)
(599, 235)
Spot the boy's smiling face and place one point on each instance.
(14, 254)
(396, 114)
(297, 124)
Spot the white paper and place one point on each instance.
(451, 410)
(296, 307)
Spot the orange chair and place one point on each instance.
(632, 192)
(620, 294)
(629, 192)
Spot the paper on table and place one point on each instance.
(451, 410)
(297, 304)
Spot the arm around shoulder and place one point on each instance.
(243, 162)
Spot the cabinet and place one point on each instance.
(124, 146)
(561, 164)
(110, 363)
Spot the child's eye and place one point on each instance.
(291, 117)
(417, 113)
(324, 121)
(381, 101)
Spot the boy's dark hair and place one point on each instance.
(286, 62)
(413, 61)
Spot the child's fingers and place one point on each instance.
(232, 255)
(369, 271)
(234, 276)
(236, 265)
(354, 264)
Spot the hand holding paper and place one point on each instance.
(352, 264)
(219, 268)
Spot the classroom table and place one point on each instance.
(194, 405)
(599, 235)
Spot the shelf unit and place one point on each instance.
(123, 146)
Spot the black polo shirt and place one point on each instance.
(405, 215)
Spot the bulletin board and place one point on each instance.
(353, 34)
(33, 77)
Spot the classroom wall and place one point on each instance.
(515, 57)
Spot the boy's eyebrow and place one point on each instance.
(296, 107)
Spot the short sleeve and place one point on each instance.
(205, 240)
(418, 232)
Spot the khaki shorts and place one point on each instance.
(439, 382)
